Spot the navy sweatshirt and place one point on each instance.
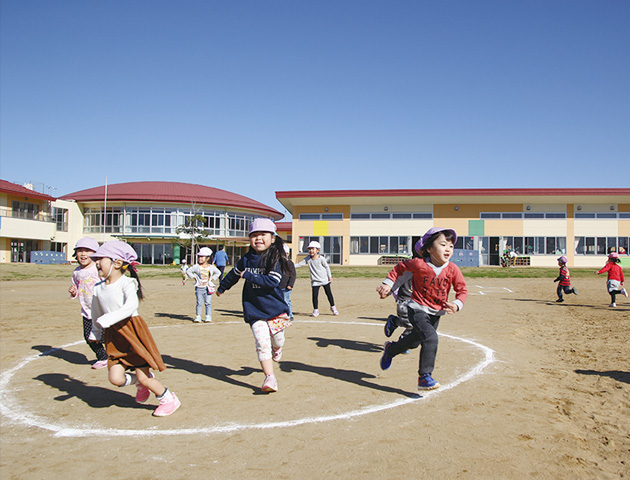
(262, 296)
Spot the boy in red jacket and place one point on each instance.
(433, 276)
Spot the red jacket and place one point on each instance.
(429, 290)
(614, 271)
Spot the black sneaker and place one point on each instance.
(574, 291)
(386, 359)
(560, 300)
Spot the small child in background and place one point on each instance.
(128, 341)
(614, 284)
(288, 280)
(183, 270)
(264, 308)
(565, 280)
(433, 276)
(320, 276)
(204, 273)
(402, 292)
(84, 277)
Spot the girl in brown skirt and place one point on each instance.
(131, 350)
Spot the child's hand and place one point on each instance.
(73, 290)
(450, 307)
(217, 293)
(330, 279)
(383, 290)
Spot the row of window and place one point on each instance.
(164, 221)
(483, 215)
(601, 245)
(380, 245)
(555, 215)
(368, 216)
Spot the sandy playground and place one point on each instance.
(531, 389)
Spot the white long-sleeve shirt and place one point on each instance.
(113, 303)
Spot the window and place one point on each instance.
(395, 216)
(488, 216)
(380, 245)
(321, 216)
(331, 247)
(61, 219)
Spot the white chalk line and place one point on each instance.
(483, 290)
(10, 407)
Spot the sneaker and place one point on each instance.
(624, 292)
(334, 310)
(612, 305)
(426, 382)
(271, 384)
(386, 358)
(99, 364)
(277, 354)
(574, 291)
(560, 300)
(168, 404)
(197, 319)
(315, 313)
(407, 352)
(390, 325)
(142, 392)
(207, 320)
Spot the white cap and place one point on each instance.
(204, 252)
(314, 244)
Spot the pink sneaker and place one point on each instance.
(143, 393)
(99, 364)
(271, 384)
(168, 404)
(277, 354)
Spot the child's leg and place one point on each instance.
(287, 299)
(315, 295)
(208, 306)
(97, 347)
(559, 292)
(429, 342)
(329, 294)
(144, 378)
(117, 376)
(262, 337)
(200, 300)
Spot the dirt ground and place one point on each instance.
(531, 389)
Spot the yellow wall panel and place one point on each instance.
(320, 228)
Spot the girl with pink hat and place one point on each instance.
(84, 277)
(564, 279)
(614, 284)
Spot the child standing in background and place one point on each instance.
(614, 284)
(288, 280)
(221, 260)
(264, 307)
(129, 342)
(204, 273)
(84, 277)
(433, 276)
(320, 276)
(564, 279)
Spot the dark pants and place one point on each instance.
(97, 347)
(564, 288)
(613, 295)
(328, 292)
(424, 334)
(221, 269)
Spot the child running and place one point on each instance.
(565, 280)
(320, 276)
(433, 276)
(264, 307)
(204, 273)
(614, 284)
(84, 277)
(128, 341)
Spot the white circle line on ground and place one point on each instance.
(10, 407)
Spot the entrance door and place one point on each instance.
(495, 253)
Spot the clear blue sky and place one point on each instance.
(260, 96)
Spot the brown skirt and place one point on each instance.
(131, 344)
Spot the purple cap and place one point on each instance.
(432, 231)
(613, 255)
(87, 242)
(262, 225)
(562, 259)
(116, 250)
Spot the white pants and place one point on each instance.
(264, 339)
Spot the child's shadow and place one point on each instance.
(67, 355)
(350, 376)
(347, 344)
(229, 313)
(222, 374)
(174, 316)
(95, 397)
(618, 375)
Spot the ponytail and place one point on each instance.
(134, 274)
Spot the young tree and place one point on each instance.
(193, 233)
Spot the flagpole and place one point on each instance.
(105, 210)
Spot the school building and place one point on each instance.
(151, 216)
(371, 227)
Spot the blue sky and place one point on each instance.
(260, 96)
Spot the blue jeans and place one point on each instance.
(287, 300)
(203, 298)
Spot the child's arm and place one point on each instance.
(214, 273)
(272, 280)
(292, 276)
(232, 278)
(327, 267)
(401, 269)
(303, 262)
(461, 292)
(74, 287)
(129, 307)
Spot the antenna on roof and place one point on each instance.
(105, 210)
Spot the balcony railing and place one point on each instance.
(39, 216)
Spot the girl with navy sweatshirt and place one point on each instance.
(264, 306)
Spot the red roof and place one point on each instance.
(455, 192)
(15, 189)
(171, 192)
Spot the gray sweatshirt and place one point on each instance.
(320, 271)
